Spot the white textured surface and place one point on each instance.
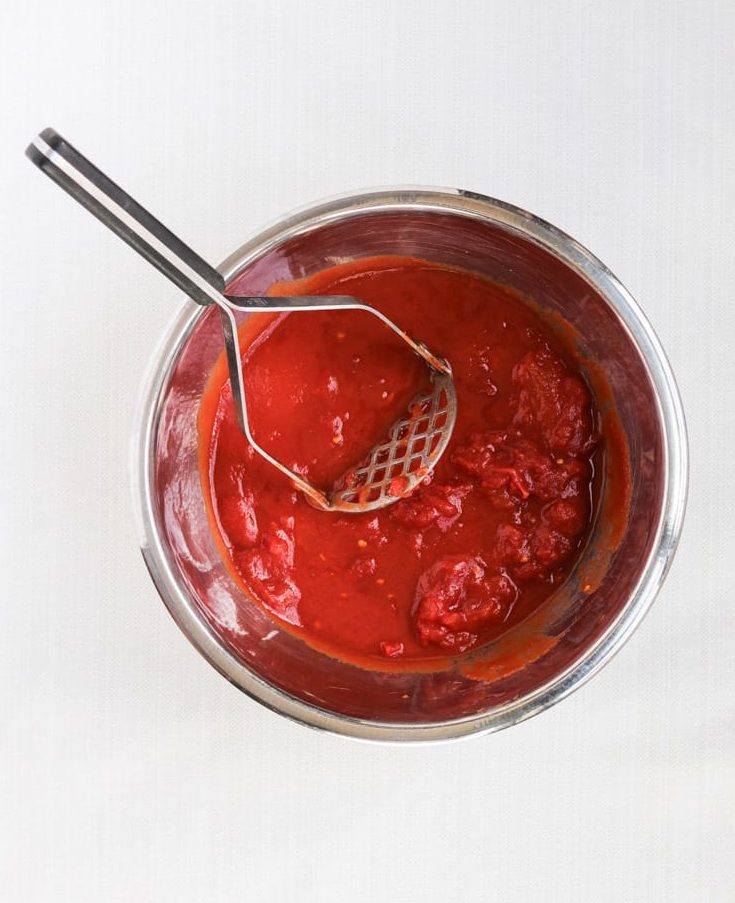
(129, 769)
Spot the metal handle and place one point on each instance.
(63, 163)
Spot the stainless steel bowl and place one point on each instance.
(586, 621)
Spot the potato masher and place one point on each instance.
(393, 468)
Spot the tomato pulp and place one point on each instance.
(482, 542)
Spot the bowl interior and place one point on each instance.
(541, 650)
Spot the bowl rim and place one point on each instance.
(510, 218)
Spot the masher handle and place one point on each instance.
(116, 209)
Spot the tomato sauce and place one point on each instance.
(493, 531)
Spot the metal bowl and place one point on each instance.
(587, 619)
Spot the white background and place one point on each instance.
(129, 770)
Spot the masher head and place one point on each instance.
(394, 468)
(415, 442)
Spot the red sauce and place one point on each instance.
(481, 543)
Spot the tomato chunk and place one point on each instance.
(456, 598)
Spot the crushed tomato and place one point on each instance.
(486, 538)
